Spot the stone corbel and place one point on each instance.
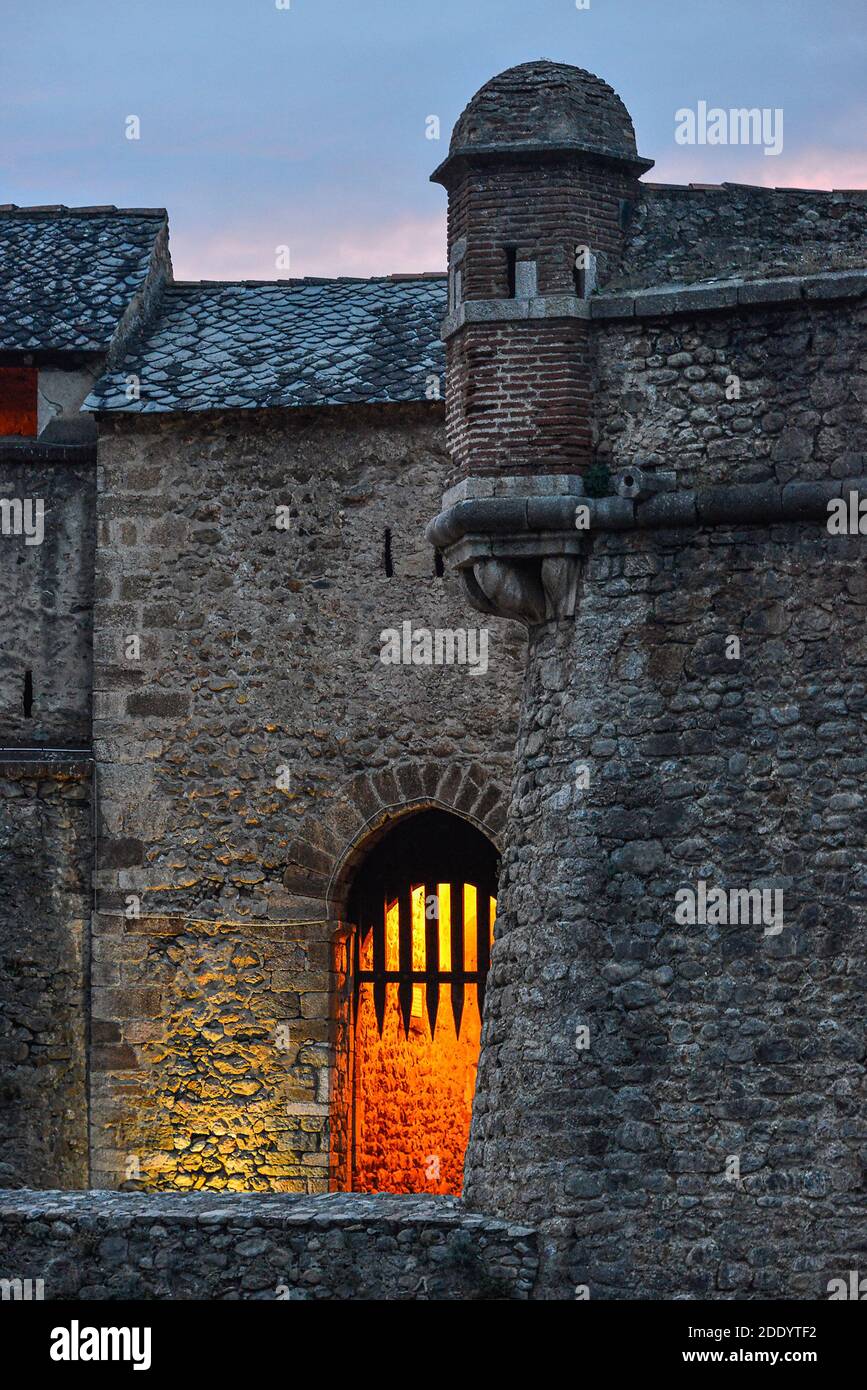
(560, 577)
(533, 591)
(513, 589)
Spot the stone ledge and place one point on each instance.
(41, 764)
(206, 1245)
(31, 451)
(555, 306)
(511, 527)
(662, 300)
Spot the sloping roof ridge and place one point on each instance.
(283, 281)
(91, 210)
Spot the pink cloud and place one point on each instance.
(410, 244)
(818, 168)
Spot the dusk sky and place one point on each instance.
(305, 126)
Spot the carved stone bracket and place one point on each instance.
(529, 591)
(520, 553)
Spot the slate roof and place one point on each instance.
(67, 275)
(309, 342)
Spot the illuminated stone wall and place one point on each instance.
(217, 1042)
(260, 651)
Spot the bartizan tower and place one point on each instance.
(671, 1083)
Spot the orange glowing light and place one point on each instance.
(471, 925)
(418, 948)
(414, 1097)
(413, 1090)
(444, 894)
(18, 401)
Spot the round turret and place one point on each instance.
(546, 104)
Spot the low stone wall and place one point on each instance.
(124, 1245)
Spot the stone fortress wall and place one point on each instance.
(678, 1105)
(46, 825)
(215, 1006)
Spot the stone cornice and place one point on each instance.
(660, 301)
(519, 556)
(31, 451)
(738, 504)
(537, 151)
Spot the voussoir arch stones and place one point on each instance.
(322, 857)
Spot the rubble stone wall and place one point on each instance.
(47, 603)
(45, 900)
(742, 397)
(680, 1105)
(245, 755)
(204, 1246)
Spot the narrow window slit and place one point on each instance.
(439, 567)
(28, 694)
(511, 269)
(389, 562)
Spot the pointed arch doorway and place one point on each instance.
(423, 908)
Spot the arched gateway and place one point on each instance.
(422, 907)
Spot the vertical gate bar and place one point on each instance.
(432, 956)
(404, 988)
(483, 943)
(379, 964)
(352, 1060)
(457, 955)
(354, 965)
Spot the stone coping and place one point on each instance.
(230, 1246)
(662, 300)
(27, 763)
(30, 451)
(610, 155)
(97, 1207)
(521, 523)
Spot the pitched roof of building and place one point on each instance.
(68, 275)
(252, 344)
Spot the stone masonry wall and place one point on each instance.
(45, 899)
(799, 413)
(242, 757)
(46, 595)
(683, 234)
(705, 1137)
(202, 1246)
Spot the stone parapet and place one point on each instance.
(202, 1246)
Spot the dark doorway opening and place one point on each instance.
(423, 906)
